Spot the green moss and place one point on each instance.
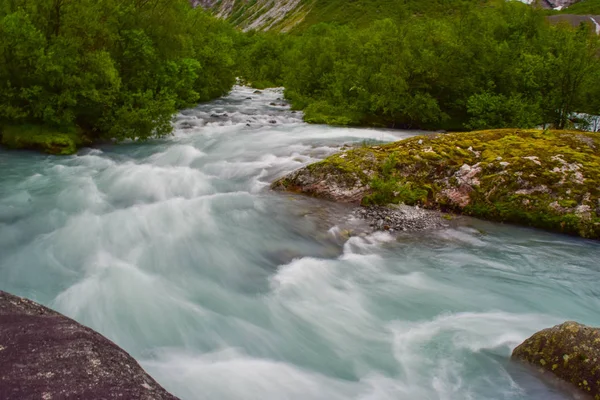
(37, 137)
(565, 350)
(546, 179)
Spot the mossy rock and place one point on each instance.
(569, 351)
(546, 179)
(42, 138)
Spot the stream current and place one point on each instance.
(177, 250)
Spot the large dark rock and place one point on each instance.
(570, 351)
(45, 355)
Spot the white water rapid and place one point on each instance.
(177, 250)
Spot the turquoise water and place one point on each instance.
(178, 251)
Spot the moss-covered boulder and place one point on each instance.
(570, 351)
(547, 179)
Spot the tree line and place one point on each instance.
(104, 69)
(500, 64)
(120, 69)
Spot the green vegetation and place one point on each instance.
(546, 179)
(492, 66)
(362, 13)
(583, 7)
(75, 71)
(42, 138)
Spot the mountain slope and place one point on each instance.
(280, 15)
(287, 15)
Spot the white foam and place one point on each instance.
(233, 374)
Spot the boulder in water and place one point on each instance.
(570, 351)
(548, 179)
(45, 355)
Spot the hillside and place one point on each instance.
(287, 15)
(583, 7)
(297, 15)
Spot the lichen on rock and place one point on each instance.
(546, 179)
(569, 351)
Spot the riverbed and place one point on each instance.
(177, 250)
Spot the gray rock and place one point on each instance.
(45, 355)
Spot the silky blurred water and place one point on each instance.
(178, 251)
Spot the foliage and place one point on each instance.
(51, 141)
(489, 66)
(107, 68)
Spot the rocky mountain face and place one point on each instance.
(557, 3)
(281, 15)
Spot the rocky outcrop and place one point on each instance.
(280, 15)
(45, 355)
(569, 351)
(555, 3)
(545, 179)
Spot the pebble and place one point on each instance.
(400, 218)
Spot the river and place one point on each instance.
(177, 250)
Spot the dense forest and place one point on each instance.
(492, 66)
(77, 71)
(80, 71)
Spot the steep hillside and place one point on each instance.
(285, 15)
(583, 7)
(281, 15)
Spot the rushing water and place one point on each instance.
(177, 251)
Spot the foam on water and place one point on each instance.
(176, 250)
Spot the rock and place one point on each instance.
(550, 181)
(569, 351)
(257, 92)
(45, 355)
